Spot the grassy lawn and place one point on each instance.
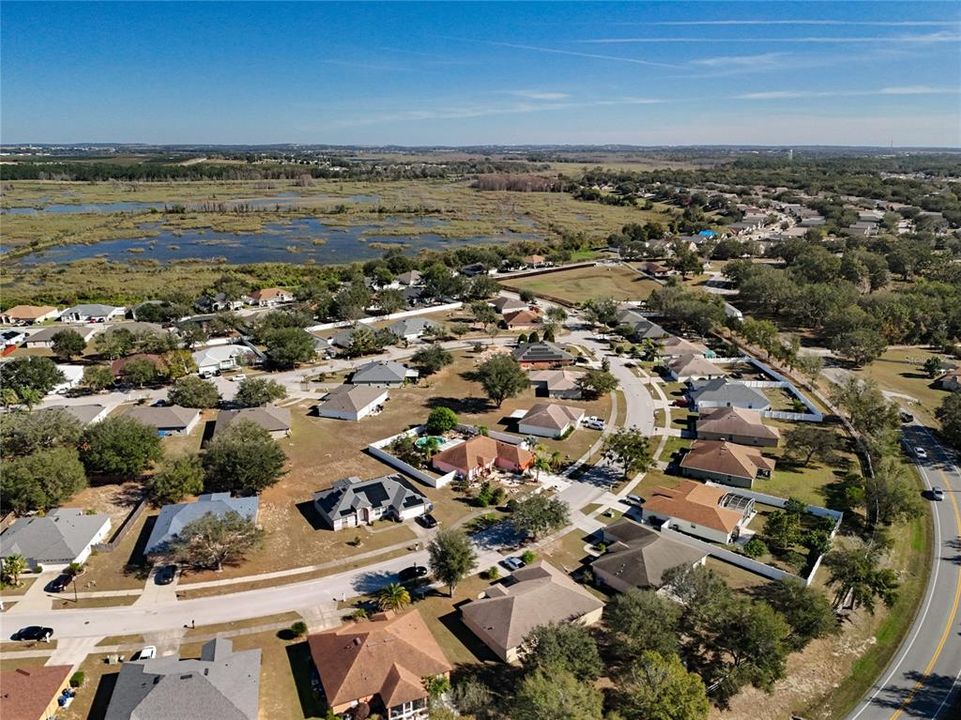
(68, 603)
(580, 284)
(673, 445)
(26, 663)
(92, 699)
(442, 616)
(566, 552)
(120, 569)
(900, 371)
(202, 630)
(737, 578)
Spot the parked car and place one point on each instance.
(512, 563)
(414, 572)
(920, 453)
(58, 584)
(906, 417)
(428, 521)
(593, 422)
(634, 499)
(937, 493)
(165, 575)
(148, 652)
(680, 402)
(34, 632)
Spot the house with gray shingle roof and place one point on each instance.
(383, 373)
(410, 328)
(727, 393)
(542, 355)
(92, 312)
(86, 414)
(351, 501)
(352, 402)
(275, 420)
(222, 685)
(638, 557)
(173, 420)
(44, 338)
(173, 518)
(56, 539)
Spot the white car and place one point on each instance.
(920, 453)
(593, 422)
(148, 652)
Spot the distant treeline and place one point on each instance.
(520, 183)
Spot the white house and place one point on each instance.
(352, 402)
(93, 313)
(550, 420)
(12, 338)
(218, 358)
(351, 501)
(72, 374)
(55, 540)
(706, 512)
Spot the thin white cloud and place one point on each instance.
(741, 61)
(795, 94)
(539, 94)
(937, 37)
(593, 56)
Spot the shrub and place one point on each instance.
(528, 556)
(755, 547)
(493, 573)
(358, 615)
(77, 679)
(299, 628)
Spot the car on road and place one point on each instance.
(920, 453)
(428, 521)
(58, 584)
(34, 632)
(937, 493)
(906, 417)
(414, 572)
(148, 652)
(593, 422)
(634, 499)
(512, 563)
(165, 574)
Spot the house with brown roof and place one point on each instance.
(31, 693)
(550, 420)
(638, 557)
(707, 512)
(269, 297)
(173, 420)
(556, 383)
(736, 425)
(504, 304)
(118, 365)
(522, 319)
(28, 314)
(725, 462)
(674, 346)
(687, 368)
(531, 596)
(275, 420)
(481, 454)
(378, 666)
(535, 261)
(657, 269)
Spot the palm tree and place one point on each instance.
(393, 597)
(430, 446)
(13, 567)
(541, 462)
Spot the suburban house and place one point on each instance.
(479, 455)
(55, 540)
(72, 375)
(736, 425)
(409, 278)
(550, 420)
(275, 420)
(344, 338)
(674, 346)
(688, 368)
(642, 328)
(542, 355)
(657, 269)
(383, 373)
(531, 596)
(410, 329)
(28, 314)
(718, 392)
(504, 304)
(218, 358)
(522, 319)
(32, 693)
(117, 366)
(706, 512)
(951, 380)
(322, 346)
(223, 684)
(352, 402)
(172, 420)
(269, 297)
(92, 313)
(725, 462)
(638, 557)
(351, 501)
(556, 383)
(86, 414)
(378, 666)
(475, 269)
(44, 338)
(12, 338)
(174, 518)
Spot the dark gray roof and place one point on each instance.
(84, 413)
(91, 310)
(46, 335)
(348, 495)
(639, 556)
(55, 537)
(164, 418)
(173, 518)
(221, 685)
(410, 326)
(541, 352)
(379, 371)
(270, 418)
(727, 392)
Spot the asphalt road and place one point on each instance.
(924, 679)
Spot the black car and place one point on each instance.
(165, 575)
(428, 521)
(34, 632)
(906, 417)
(414, 572)
(58, 584)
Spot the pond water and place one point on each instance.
(306, 239)
(79, 208)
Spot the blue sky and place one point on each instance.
(463, 73)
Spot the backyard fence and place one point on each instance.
(393, 316)
(122, 531)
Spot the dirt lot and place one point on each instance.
(576, 286)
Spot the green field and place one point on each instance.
(576, 286)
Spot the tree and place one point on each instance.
(855, 573)
(949, 414)
(556, 314)
(41, 480)
(872, 415)
(29, 374)
(502, 377)
(113, 344)
(471, 697)
(861, 346)
(22, 433)
(68, 344)
(567, 646)
(595, 383)
(889, 495)
(806, 610)
(243, 459)
(194, 392)
(601, 311)
(642, 620)
(808, 442)
(393, 597)
(288, 346)
(659, 687)
(14, 566)
(630, 449)
(259, 391)
(178, 363)
(97, 378)
(176, 478)
(539, 514)
(440, 420)
(810, 366)
(391, 300)
(140, 371)
(212, 541)
(483, 313)
(933, 366)
(451, 557)
(782, 531)
(119, 446)
(431, 359)
(556, 693)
